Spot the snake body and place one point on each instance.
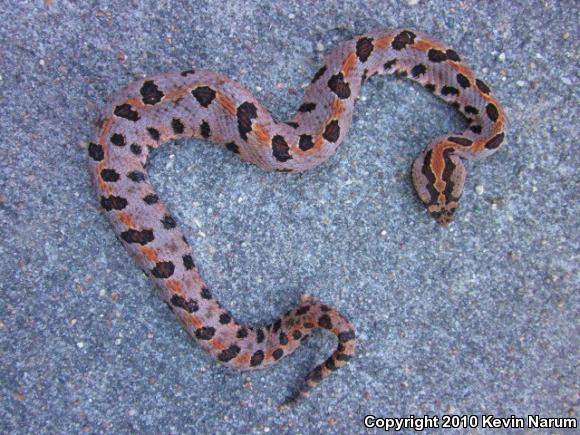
(208, 105)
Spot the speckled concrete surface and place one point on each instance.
(480, 317)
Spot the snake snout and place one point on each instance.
(443, 213)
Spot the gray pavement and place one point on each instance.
(477, 318)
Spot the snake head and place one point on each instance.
(438, 177)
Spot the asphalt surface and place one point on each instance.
(480, 317)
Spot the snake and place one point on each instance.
(207, 105)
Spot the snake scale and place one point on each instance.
(205, 104)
